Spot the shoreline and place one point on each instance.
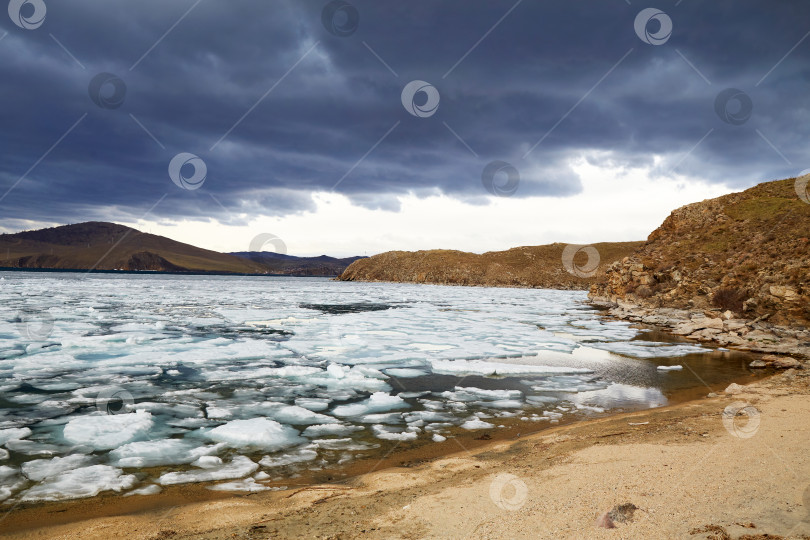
(107, 518)
(721, 328)
(678, 464)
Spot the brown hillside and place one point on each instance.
(747, 252)
(108, 246)
(532, 266)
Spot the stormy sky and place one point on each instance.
(357, 127)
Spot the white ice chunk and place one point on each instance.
(239, 467)
(255, 432)
(669, 368)
(248, 484)
(381, 432)
(331, 429)
(151, 489)
(83, 482)
(378, 402)
(13, 434)
(481, 367)
(158, 453)
(301, 456)
(39, 469)
(476, 423)
(313, 404)
(107, 431)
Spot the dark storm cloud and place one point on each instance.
(514, 89)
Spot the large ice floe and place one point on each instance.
(146, 381)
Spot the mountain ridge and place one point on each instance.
(104, 246)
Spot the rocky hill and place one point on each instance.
(747, 253)
(532, 266)
(108, 246)
(280, 263)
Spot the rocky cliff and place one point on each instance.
(746, 255)
(533, 266)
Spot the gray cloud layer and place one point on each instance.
(514, 88)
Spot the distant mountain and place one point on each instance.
(108, 246)
(531, 266)
(300, 266)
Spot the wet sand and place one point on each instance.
(688, 474)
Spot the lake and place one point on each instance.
(132, 383)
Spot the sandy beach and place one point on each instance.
(690, 471)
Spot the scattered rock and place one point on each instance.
(758, 364)
(711, 394)
(623, 513)
(782, 362)
(734, 388)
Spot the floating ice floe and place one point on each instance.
(40, 469)
(256, 432)
(669, 368)
(151, 489)
(13, 434)
(290, 414)
(476, 423)
(481, 367)
(78, 483)
(159, 453)
(331, 429)
(301, 456)
(378, 402)
(239, 467)
(248, 484)
(104, 432)
(383, 432)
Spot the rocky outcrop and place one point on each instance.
(531, 266)
(724, 329)
(745, 253)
